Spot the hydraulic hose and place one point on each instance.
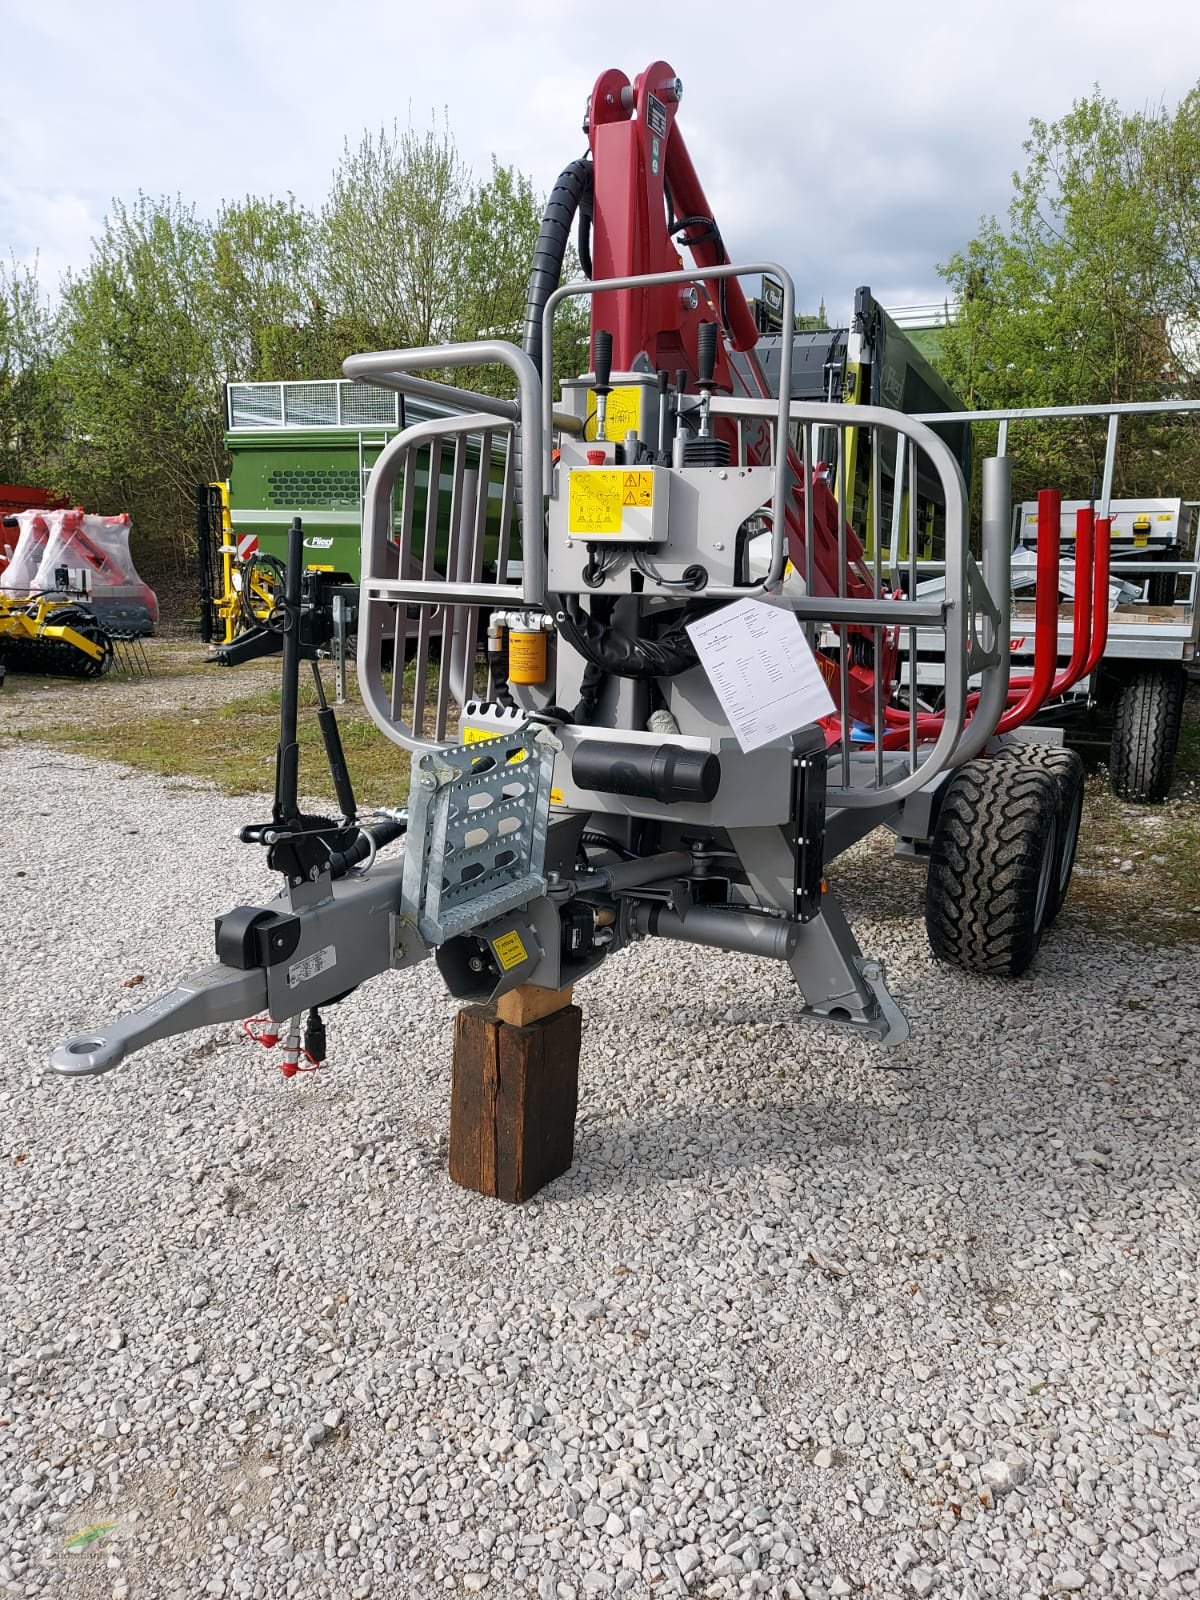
(572, 192)
(612, 651)
(371, 836)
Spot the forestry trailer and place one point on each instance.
(664, 695)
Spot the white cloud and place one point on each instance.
(49, 231)
(854, 144)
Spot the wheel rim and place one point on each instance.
(1046, 876)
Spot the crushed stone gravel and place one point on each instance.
(793, 1324)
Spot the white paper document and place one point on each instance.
(766, 677)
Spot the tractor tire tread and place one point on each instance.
(1145, 734)
(985, 866)
(1066, 769)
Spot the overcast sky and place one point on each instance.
(855, 143)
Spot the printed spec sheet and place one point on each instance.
(765, 676)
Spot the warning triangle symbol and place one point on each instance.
(629, 499)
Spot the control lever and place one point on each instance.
(602, 360)
(664, 379)
(677, 444)
(286, 810)
(706, 367)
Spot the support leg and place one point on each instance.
(514, 1094)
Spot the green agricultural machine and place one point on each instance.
(307, 449)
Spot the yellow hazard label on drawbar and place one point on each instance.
(598, 497)
(510, 951)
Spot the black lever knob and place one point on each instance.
(706, 354)
(602, 359)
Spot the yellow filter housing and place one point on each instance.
(526, 656)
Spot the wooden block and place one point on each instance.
(513, 1098)
(530, 1003)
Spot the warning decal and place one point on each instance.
(594, 500)
(637, 488)
(510, 952)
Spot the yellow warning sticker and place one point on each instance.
(624, 411)
(510, 952)
(556, 797)
(1140, 540)
(478, 735)
(637, 488)
(594, 500)
(1164, 516)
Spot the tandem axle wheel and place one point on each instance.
(1001, 859)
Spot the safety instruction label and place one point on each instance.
(594, 501)
(320, 961)
(510, 950)
(599, 495)
(475, 735)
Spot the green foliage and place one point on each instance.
(389, 236)
(139, 368)
(445, 258)
(30, 412)
(1089, 293)
(269, 320)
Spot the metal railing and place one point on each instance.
(423, 583)
(321, 403)
(1127, 622)
(427, 577)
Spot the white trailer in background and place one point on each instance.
(1134, 698)
(1153, 628)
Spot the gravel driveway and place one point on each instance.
(792, 1325)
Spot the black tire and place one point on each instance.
(1160, 590)
(1145, 734)
(991, 867)
(1065, 767)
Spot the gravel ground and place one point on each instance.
(179, 681)
(792, 1325)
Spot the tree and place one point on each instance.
(391, 236)
(116, 398)
(416, 252)
(270, 320)
(30, 404)
(1085, 297)
(140, 369)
